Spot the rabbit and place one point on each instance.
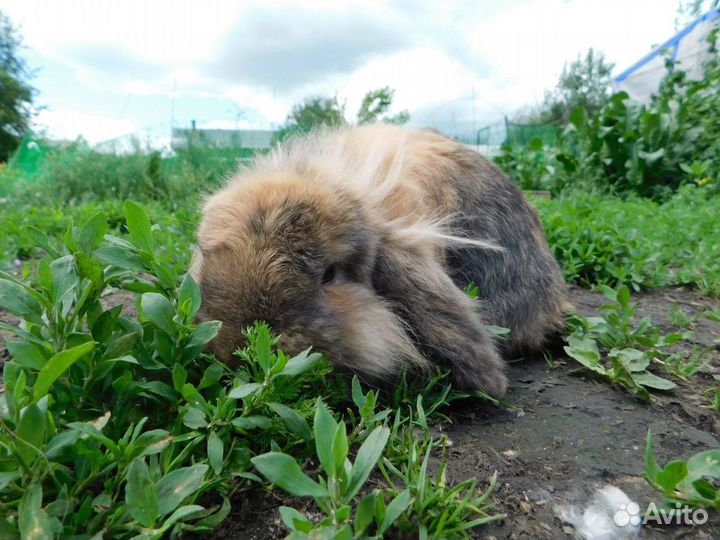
(359, 242)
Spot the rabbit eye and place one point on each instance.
(329, 274)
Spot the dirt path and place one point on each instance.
(576, 435)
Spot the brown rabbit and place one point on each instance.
(358, 242)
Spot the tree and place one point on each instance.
(320, 111)
(586, 82)
(375, 104)
(16, 93)
(314, 112)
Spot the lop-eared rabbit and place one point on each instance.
(359, 242)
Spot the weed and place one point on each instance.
(685, 484)
(119, 426)
(623, 339)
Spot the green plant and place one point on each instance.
(713, 395)
(623, 340)
(335, 492)
(618, 145)
(117, 425)
(601, 239)
(685, 483)
(437, 509)
(684, 365)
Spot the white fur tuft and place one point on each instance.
(375, 167)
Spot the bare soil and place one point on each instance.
(576, 434)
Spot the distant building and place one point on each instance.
(255, 139)
(689, 48)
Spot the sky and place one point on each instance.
(107, 68)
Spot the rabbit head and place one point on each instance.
(299, 255)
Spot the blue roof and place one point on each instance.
(672, 42)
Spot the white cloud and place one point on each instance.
(448, 61)
(69, 124)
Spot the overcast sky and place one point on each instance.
(106, 68)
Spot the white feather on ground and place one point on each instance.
(611, 515)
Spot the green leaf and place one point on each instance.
(252, 422)
(395, 509)
(263, 347)
(181, 514)
(578, 117)
(193, 397)
(103, 327)
(141, 494)
(340, 448)
(586, 352)
(31, 431)
(646, 378)
(357, 395)
(324, 427)
(189, 290)
(7, 478)
(89, 429)
(705, 488)
(215, 452)
(17, 300)
(33, 521)
(56, 446)
(671, 475)
(214, 520)
(92, 232)
(195, 418)
(138, 224)
(65, 278)
(634, 360)
(244, 390)
(301, 363)
(175, 487)
(57, 365)
(179, 377)
(623, 296)
(211, 376)
(365, 514)
(159, 310)
(151, 442)
(366, 459)
(122, 258)
(294, 421)
(294, 520)
(283, 471)
(26, 354)
(204, 333)
(40, 239)
(704, 464)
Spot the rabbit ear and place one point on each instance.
(444, 320)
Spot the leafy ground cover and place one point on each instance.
(115, 425)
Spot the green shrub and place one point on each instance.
(649, 150)
(601, 239)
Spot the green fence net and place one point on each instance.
(522, 134)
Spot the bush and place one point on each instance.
(650, 150)
(601, 239)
